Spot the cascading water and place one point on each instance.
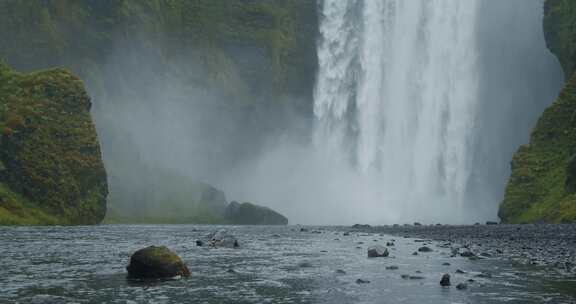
(397, 93)
(398, 98)
(419, 106)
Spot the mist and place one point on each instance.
(167, 123)
(345, 177)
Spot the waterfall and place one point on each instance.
(418, 108)
(398, 99)
(396, 94)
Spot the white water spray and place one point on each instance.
(419, 105)
(396, 95)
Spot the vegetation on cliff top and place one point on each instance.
(51, 171)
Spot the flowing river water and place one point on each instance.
(273, 265)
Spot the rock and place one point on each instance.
(460, 271)
(446, 264)
(340, 271)
(484, 275)
(361, 281)
(415, 253)
(222, 238)
(467, 254)
(417, 224)
(462, 286)
(304, 265)
(491, 223)
(53, 173)
(199, 243)
(445, 280)
(250, 214)
(377, 251)
(156, 262)
(389, 244)
(425, 249)
(393, 267)
(416, 278)
(361, 226)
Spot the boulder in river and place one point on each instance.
(425, 249)
(361, 226)
(222, 238)
(445, 280)
(156, 262)
(377, 251)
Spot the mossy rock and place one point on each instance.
(156, 262)
(52, 171)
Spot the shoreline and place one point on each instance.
(545, 245)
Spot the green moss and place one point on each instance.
(538, 188)
(560, 32)
(543, 181)
(82, 34)
(52, 167)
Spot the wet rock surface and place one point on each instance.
(538, 245)
(156, 262)
(377, 251)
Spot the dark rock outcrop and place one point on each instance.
(156, 262)
(378, 251)
(250, 214)
(445, 280)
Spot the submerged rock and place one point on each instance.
(425, 249)
(250, 214)
(361, 226)
(377, 251)
(461, 286)
(361, 281)
(156, 262)
(221, 238)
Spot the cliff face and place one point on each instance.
(183, 90)
(543, 181)
(51, 171)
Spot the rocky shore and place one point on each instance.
(552, 246)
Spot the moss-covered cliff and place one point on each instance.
(542, 187)
(246, 65)
(51, 171)
(82, 35)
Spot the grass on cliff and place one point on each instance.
(50, 159)
(538, 189)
